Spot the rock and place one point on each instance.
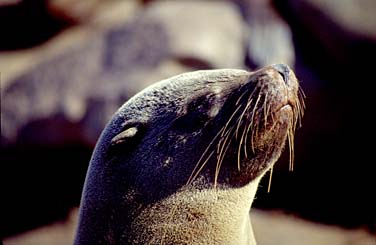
(206, 32)
(354, 17)
(78, 11)
(93, 76)
(286, 230)
(25, 24)
(274, 227)
(93, 11)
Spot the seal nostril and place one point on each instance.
(284, 70)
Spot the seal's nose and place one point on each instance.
(284, 70)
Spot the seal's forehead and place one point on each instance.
(178, 89)
(189, 83)
(207, 77)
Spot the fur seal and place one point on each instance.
(180, 162)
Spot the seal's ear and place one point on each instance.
(130, 133)
(125, 135)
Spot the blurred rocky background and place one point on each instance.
(66, 66)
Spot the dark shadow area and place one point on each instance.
(333, 180)
(27, 24)
(40, 185)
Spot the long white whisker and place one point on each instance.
(202, 156)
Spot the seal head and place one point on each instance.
(179, 163)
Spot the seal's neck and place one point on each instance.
(215, 215)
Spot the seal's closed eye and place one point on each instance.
(197, 115)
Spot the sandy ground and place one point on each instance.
(270, 227)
